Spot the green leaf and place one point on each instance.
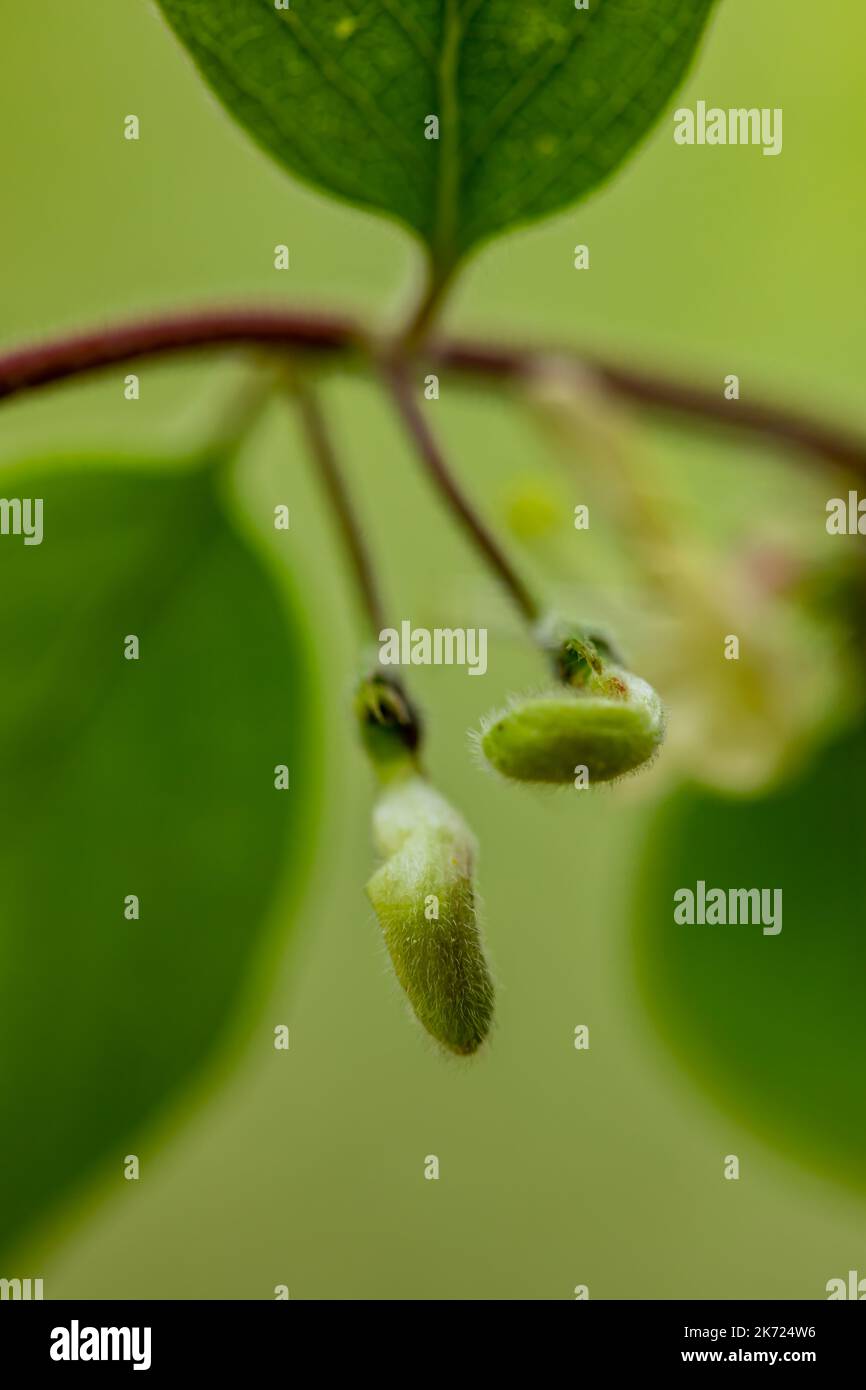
(537, 101)
(772, 1026)
(152, 777)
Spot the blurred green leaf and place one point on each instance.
(771, 1025)
(152, 777)
(537, 102)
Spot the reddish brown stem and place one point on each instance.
(669, 396)
(337, 336)
(30, 367)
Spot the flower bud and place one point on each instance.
(424, 899)
(390, 726)
(611, 725)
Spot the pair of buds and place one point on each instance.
(601, 720)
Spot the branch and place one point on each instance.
(832, 443)
(31, 367)
(340, 337)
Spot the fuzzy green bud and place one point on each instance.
(424, 899)
(610, 725)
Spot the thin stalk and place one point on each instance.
(436, 286)
(425, 312)
(440, 474)
(330, 473)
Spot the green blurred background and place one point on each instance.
(558, 1167)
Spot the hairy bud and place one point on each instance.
(424, 899)
(610, 724)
